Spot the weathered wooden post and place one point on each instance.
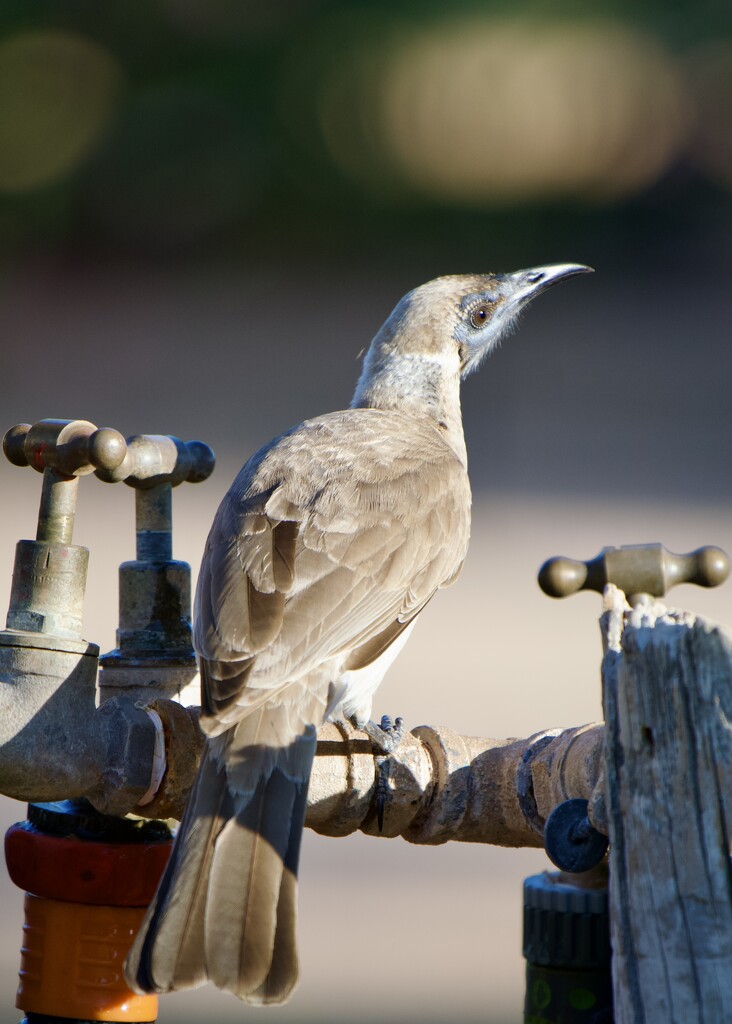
(667, 698)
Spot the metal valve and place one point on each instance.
(48, 674)
(49, 578)
(636, 569)
(570, 840)
(154, 645)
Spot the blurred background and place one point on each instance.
(207, 210)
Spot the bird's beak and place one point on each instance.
(525, 285)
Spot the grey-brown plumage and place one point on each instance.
(327, 546)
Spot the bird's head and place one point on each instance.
(470, 314)
(444, 329)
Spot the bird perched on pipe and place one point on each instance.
(328, 545)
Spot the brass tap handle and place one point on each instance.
(70, 447)
(153, 459)
(635, 569)
(76, 448)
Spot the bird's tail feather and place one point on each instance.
(251, 914)
(226, 905)
(167, 952)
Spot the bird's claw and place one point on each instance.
(394, 726)
(387, 736)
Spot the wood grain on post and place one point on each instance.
(667, 692)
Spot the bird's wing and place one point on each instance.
(328, 543)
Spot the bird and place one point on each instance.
(328, 545)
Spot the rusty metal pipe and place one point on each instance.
(436, 787)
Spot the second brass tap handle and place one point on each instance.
(635, 569)
(152, 459)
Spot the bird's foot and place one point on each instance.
(386, 736)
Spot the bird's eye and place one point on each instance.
(480, 314)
